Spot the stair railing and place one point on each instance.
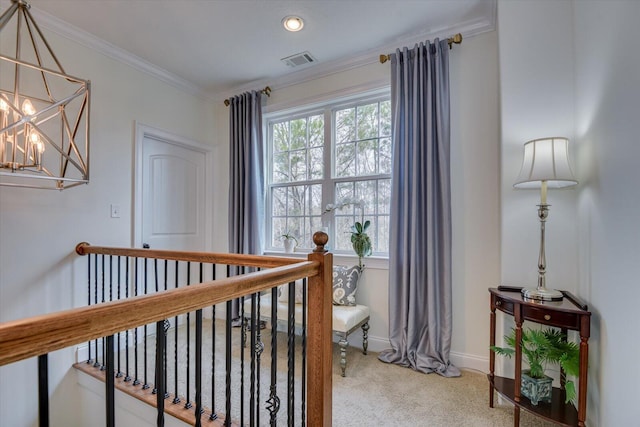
(113, 311)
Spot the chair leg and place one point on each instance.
(365, 338)
(343, 353)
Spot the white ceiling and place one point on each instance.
(216, 46)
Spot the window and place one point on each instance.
(334, 154)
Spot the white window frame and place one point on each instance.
(326, 108)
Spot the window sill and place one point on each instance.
(372, 262)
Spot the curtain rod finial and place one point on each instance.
(384, 58)
(457, 39)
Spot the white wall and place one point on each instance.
(536, 84)
(475, 200)
(39, 271)
(607, 128)
(566, 69)
(475, 197)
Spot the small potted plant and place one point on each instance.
(360, 240)
(540, 348)
(290, 242)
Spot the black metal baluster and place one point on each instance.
(110, 384)
(161, 349)
(102, 366)
(227, 417)
(155, 278)
(291, 354)
(43, 390)
(110, 277)
(167, 325)
(127, 377)
(199, 409)
(259, 349)
(119, 374)
(252, 387)
(188, 403)
(243, 342)
(146, 291)
(273, 403)
(176, 398)
(303, 386)
(89, 297)
(95, 301)
(228, 325)
(136, 381)
(213, 415)
(112, 371)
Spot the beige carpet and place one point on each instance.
(372, 394)
(375, 393)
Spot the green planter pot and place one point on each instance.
(536, 389)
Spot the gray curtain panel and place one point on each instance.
(246, 178)
(420, 234)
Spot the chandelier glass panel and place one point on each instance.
(44, 112)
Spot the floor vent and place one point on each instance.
(299, 59)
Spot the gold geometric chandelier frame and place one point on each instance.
(44, 112)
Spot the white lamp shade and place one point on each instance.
(546, 159)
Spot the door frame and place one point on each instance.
(143, 131)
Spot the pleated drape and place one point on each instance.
(420, 320)
(246, 177)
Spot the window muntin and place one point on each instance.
(328, 156)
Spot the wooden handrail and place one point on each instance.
(205, 257)
(34, 336)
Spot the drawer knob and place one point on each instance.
(498, 303)
(547, 317)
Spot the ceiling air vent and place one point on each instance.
(299, 59)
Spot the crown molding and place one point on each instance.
(467, 29)
(90, 41)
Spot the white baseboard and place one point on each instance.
(469, 361)
(376, 344)
(460, 360)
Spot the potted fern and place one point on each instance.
(541, 348)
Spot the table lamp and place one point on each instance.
(545, 165)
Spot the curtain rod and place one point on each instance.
(266, 91)
(457, 39)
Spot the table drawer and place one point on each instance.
(559, 319)
(504, 305)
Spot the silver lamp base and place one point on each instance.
(542, 294)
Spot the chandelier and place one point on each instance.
(44, 112)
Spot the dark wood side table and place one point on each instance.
(569, 314)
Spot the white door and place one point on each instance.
(172, 192)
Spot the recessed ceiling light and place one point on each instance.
(292, 23)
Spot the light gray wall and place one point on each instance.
(475, 197)
(566, 69)
(607, 105)
(39, 271)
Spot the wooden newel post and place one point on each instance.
(319, 347)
